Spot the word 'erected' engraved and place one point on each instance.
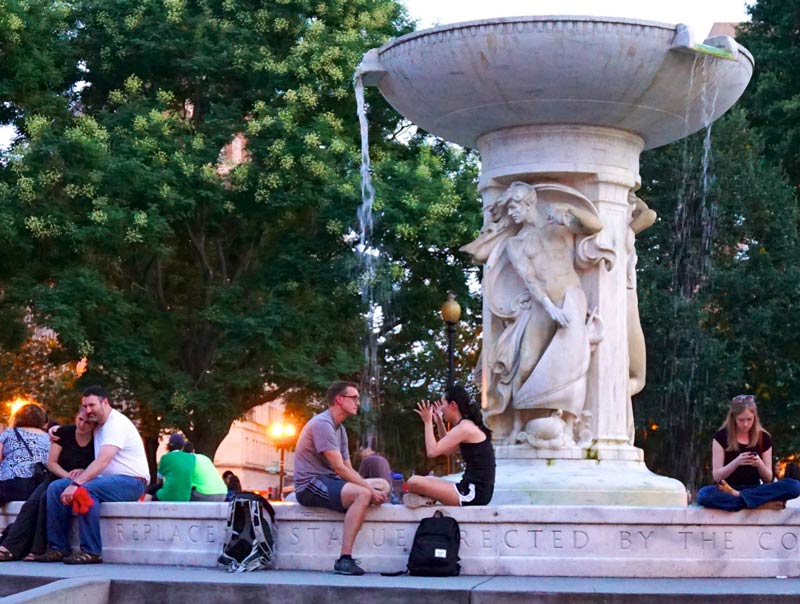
(175, 533)
(546, 538)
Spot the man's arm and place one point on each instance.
(107, 453)
(344, 469)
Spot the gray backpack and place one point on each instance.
(249, 542)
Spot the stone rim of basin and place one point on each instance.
(463, 80)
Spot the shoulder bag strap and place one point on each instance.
(22, 440)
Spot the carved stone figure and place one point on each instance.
(539, 343)
(641, 218)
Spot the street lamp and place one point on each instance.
(282, 435)
(451, 313)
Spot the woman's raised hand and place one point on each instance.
(425, 410)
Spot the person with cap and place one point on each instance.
(176, 467)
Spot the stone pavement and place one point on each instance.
(25, 582)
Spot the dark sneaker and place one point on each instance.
(347, 566)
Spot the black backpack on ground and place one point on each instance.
(249, 541)
(434, 552)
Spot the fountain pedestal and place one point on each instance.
(560, 109)
(603, 165)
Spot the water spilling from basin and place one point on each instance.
(369, 262)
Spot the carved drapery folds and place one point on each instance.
(539, 332)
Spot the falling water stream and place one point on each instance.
(369, 262)
(694, 229)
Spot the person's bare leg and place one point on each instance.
(435, 488)
(356, 500)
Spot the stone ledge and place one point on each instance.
(586, 541)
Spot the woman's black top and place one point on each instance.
(479, 461)
(73, 456)
(743, 476)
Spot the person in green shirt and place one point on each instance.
(207, 484)
(177, 468)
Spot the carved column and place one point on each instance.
(603, 164)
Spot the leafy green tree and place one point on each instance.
(773, 97)
(36, 57)
(205, 286)
(718, 291)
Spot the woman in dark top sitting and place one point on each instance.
(741, 461)
(69, 456)
(467, 434)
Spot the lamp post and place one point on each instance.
(451, 313)
(282, 435)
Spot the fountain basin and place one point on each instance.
(464, 80)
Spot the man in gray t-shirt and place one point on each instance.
(324, 476)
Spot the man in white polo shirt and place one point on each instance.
(119, 472)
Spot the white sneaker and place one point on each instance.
(412, 500)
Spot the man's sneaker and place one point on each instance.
(347, 566)
(412, 500)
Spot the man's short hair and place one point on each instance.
(336, 389)
(95, 390)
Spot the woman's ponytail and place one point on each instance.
(466, 406)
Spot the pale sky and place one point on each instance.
(699, 14)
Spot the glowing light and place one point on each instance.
(282, 433)
(16, 405)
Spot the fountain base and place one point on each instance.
(525, 481)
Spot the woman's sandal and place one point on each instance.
(51, 555)
(82, 557)
(6, 556)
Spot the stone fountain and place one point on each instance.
(560, 108)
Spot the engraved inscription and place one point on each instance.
(775, 540)
(152, 532)
(627, 538)
(521, 539)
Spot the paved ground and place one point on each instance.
(135, 583)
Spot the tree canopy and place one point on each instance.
(207, 284)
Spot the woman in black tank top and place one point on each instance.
(467, 434)
(741, 462)
(70, 455)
